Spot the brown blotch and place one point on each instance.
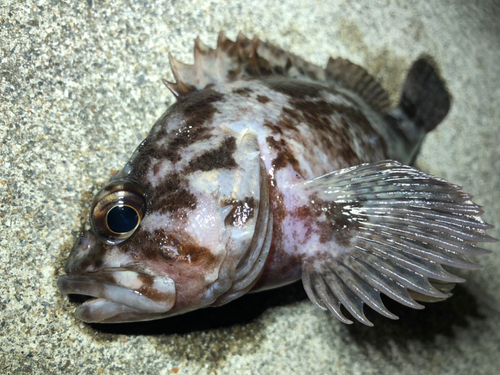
(315, 109)
(219, 158)
(275, 128)
(242, 211)
(147, 153)
(185, 137)
(284, 155)
(147, 281)
(147, 289)
(263, 99)
(185, 250)
(279, 214)
(243, 91)
(171, 195)
(144, 243)
(307, 216)
(198, 111)
(156, 167)
(198, 253)
(105, 277)
(288, 120)
(340, 224)
(334, 136)
(154, 246)
(198, 108)
(315, 113)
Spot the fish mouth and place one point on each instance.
(119, 296)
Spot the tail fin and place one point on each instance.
(424, 100)
(424, 103)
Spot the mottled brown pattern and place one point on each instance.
(278, 262)
(263, 99)
(315, 110)
(243, 91)
(144, 244)
(154, 246)
(284, 155)
(243, 210)
(146, 154)
(106, 278)
(147, 289)
(340, 225)
(340, 130)
(286, 122)
(183, 138)
(307, 216)
(335, 138)
(171, 195)
(331, 136)
(198, 253)
(356, 117)
(275, 128)
(198, 110)
(219, 158)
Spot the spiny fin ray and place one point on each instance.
(399, 225)
(252, 58)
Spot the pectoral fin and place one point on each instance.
(385, 228)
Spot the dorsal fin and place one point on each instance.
(252, 58)
(357, 79)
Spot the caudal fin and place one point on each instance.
(424, 100)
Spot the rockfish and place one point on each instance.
(269, 169)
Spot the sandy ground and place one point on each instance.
(80, 87)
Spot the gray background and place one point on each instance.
(80, 87)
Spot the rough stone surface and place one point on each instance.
(80, 87)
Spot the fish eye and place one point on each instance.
(117, 211)
(122, 219)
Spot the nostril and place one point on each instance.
(84, 243)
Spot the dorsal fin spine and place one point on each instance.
(251, 58)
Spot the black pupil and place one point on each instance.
(122, 219)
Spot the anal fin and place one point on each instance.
(385, 228)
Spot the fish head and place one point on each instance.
(164, 240)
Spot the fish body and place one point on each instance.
(267, 170)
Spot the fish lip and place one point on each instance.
(122, 293)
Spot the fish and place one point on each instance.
(267, 170)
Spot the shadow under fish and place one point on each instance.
(268, 170)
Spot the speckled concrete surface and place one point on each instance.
(80, 87)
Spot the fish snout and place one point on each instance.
(86, 252)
